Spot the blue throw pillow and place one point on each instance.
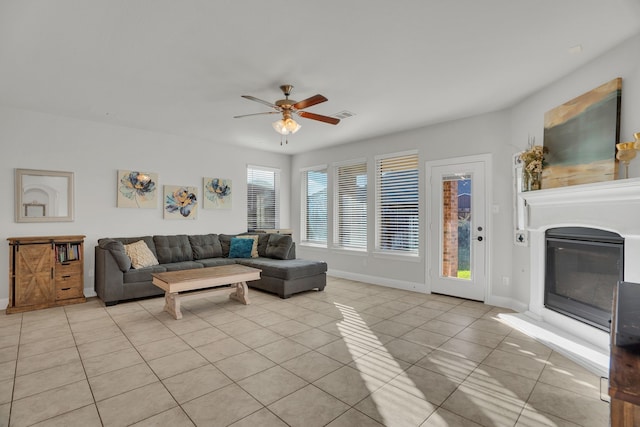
(240, 248)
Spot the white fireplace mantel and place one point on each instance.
(612, 206)
(609, 205)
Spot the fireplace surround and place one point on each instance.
(613, 206)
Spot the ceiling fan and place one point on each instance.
(287, 107)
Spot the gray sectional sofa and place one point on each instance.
(282, 273)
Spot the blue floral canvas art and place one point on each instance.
(180, 202)
(137, 189)
(217, 193)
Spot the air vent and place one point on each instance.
(344, 114)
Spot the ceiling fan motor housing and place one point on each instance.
(285, 104)
(286, 89)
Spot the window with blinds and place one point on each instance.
(263, 198)
(350, 205)
(397, 217)
(314, 206)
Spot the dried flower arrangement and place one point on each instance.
(533, 159)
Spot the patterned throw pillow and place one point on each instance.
(240, 248)
(254, 248)
(140, 254)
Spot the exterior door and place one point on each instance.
(456, 239)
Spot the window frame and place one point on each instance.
(413, 235)
(277, 184)
(338, 218)
(304, 210)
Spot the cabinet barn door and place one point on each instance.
(33, 282)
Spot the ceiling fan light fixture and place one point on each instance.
(278, 125)
(286, 126)
(291, 125)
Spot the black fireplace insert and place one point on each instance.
(582, 269)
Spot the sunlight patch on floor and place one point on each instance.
(390, 402)
(401, 402)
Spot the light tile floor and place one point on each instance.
(353, 355)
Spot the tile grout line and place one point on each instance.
(317, 308)
(15, 370)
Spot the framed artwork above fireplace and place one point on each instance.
(581, 137)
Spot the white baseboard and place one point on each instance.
(382, 281)
(498, 301)
(505, 302)
(4, 302)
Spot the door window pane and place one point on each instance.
(456, 226)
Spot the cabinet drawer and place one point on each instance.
(70, 287)
(69, 292)
(68, 269)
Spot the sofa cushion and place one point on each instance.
(263, 241)
(278, 246)
(254, 247)
(225, 242)
(182, 265)
(116, 248)
(126, 240)
(142, 274)
(215, 262)
(205, 246)
(287, 269)
(241, 248)
(140, 254)
(174, 248)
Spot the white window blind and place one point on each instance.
(263, 198)
(314, 206)
(351, 206)
(397, 217)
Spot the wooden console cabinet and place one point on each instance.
(45, 271)
(624, 380)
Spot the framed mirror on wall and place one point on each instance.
(43, 196)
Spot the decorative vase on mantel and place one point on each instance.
(535, 180)
(532, 164)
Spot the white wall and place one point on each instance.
(502, 134)
(527, 118)
(487, 133)
(94, 152)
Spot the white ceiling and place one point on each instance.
(180, 66)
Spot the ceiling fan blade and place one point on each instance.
(305, 103)
(253, 98)
(319, 117)
(256, 114)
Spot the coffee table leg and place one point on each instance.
(172, 305)
(241, 294)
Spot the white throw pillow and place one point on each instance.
(140, 254)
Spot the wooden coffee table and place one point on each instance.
(199, 280)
